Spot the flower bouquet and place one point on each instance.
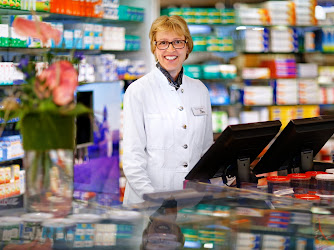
(46, 108)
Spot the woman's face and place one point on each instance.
(171, 59)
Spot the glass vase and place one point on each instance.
(49, 181)
(48, 143)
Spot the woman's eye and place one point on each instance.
(177, 42)
(163, 43)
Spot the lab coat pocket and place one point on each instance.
(199, 122)
(159, 131)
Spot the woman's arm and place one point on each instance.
(208, 137)
(134, 143)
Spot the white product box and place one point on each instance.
(258, 95)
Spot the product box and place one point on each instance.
(4, 35)
(68, 39)
(256, 40)
(218, 94)
(193, 71)
(286, 92)
(219, 121)
(255, 73)
(307, 70)
(283, 40)
(309, 92)
(258, 95)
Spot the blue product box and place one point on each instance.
(68, 39)
(77, 38)
(218, 94)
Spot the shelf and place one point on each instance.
(59, 50)
(47, 16)
(9, 160)
(258, 25)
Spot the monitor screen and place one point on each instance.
(300, 137)
(84, 126)
(236, 142)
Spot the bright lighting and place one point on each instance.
(208, 245)
(320, 13)
(240, 28)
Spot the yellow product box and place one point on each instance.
(6, 190)
(16, 171)
(8, 174)
(307, 111)
(284, 114)
(17, 190)
(2, 176)
(2, 191)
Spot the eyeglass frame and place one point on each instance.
(171, 43)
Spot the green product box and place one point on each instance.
(4, 35)
(201, 16)
(211, 71)
(172, 12)
(129, 13)
(213, 43)
(189, 15)
(193, 71)
(199, 43)
(43, 5)
(213, 16)
(5, 4)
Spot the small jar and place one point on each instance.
(300, 183)
(313, 181)
(279, 185)
(308, 197)
(325, 184)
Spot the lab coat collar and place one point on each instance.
(164, 82)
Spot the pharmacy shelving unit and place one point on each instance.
(8, 54)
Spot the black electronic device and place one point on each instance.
(296, 145)
(84, 125)
(234, 150)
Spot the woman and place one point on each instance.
(167, 116)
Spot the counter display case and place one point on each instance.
(202, 216)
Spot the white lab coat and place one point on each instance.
(165, 133)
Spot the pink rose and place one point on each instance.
(36, 29)
(61, 79)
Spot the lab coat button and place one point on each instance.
(182, 90)
(185, 165)
(180, 108)
(184, 126)
(185, 146)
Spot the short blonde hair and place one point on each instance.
(171, 23)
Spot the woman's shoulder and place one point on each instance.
(195, 83)
(141, 83)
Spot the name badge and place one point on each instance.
(198, 111)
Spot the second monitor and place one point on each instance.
(297, 145)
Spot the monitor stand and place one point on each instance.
(306, 159)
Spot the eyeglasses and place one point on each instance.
(177, 44)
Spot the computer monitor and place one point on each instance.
(297, 144)
(234, 150)
(84, 125)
